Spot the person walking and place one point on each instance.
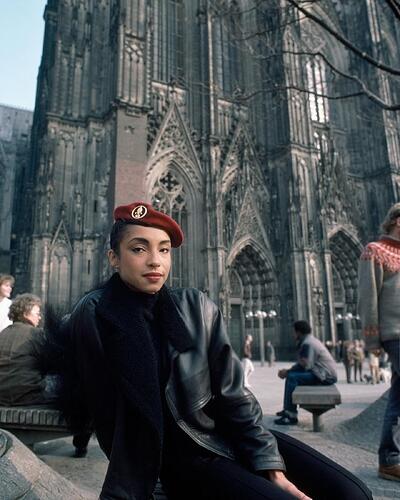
(152, 370)
(6, 286)
(348, 358)
(248, 367)
(373, 360)
(357, 355)
(379, 310)
(270, 353)
(315, 366)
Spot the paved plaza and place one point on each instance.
(348, 438)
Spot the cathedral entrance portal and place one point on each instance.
(252, 287)
(345, 253)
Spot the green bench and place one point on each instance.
(317, 399)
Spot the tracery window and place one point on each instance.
(235, 285)
(168, 43)
(169, 196)
(227, 61)
(59, 277)
(338, 290)
(321, 144)
(318, 89)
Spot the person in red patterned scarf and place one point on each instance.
(379, 309)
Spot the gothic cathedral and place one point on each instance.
(208, 111)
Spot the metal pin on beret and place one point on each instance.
(144, 214)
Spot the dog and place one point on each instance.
(385, 375)
(368, 379)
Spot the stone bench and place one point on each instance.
(33, 424)
(316, 399)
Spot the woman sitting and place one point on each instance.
(21, 382)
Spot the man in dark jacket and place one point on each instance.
(315, 366)
(152, 371)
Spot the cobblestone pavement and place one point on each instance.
(340, 439)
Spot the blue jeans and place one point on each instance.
(389, 449)
(293, 379)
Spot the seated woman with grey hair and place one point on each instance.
(21, 382)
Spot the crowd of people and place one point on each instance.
(360, 364)
(151, 371)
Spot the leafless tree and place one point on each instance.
(372, 75)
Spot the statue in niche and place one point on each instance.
(103, 203)
(78, 208)
(49, 192)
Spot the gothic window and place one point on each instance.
(321, 144)
(136, 16)
(168, 40)
(338, 290)
(235, 285)
(317, 87)
(59, 279)
(169, 196)
(227, 61)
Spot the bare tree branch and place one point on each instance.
(395, 6)
(282, 88)
(364, 89)
(245, 37)
(345, 41)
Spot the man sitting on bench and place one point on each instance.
(315, 366)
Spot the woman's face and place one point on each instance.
(144, 259)
(5, 289)
(33, 316)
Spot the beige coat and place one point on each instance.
(21, 382)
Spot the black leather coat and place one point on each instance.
(204, 392)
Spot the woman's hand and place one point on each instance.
(278, 477)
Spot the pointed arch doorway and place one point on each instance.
(252, 286)
(345, 252)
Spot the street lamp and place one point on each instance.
(348, 317)
(261, 315)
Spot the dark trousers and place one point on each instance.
(216, 478)
(347, 367)
(389, 449)
(293, 379)
(81, 440)
(358, 366)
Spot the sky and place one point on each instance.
(21, 40)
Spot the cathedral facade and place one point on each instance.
(215, 116)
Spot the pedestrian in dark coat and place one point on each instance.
(152, 370)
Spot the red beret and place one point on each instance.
(144, 214)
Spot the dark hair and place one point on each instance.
(302, 327)
(117, 232)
